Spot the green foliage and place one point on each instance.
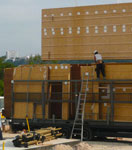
(54, 61)
(1, 88)
(35, 60)
(3, 65)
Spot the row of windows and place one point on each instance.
(87, 30)
(85, 13)
(57, 67)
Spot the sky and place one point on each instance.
(20, 22)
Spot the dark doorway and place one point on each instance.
(55, 92)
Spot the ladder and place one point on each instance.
(77, 129)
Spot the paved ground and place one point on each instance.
(119, 144)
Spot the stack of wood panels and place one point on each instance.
(74, 33)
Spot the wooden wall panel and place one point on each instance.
(65, 105)
(119, 71)
(122, 93)
(8, 76)
(39, 112)
(123, 112)
(74, 33)
(91, 109)
(20, 110)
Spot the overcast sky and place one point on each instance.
(20, 22)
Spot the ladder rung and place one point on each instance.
(78, 123)
(80, 109)
(79, 113)
(82, 99)
(82, 94)
(76, 134)
(81, 103)
(79, 119)
(78, 129)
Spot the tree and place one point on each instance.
(35, 60)
(1, 88)
(3, 65)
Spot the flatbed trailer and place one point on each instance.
(104, 121)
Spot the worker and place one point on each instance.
(1, 137)
(100, 67)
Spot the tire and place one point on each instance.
(65, 132)
(87, 135)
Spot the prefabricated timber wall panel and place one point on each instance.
(74, 33)
(121, 90)
(8, 76)
(60, 72)
(28, 88)
(21, 109)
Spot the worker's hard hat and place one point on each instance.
(95, 51)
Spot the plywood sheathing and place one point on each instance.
(74, 33)
(20, 110)
(66, 96)
(122, 92)
(61, 72)
(30, 72)
(37, 72)
(119, 71)
(123, 112)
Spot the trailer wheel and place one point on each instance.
(87, 134)
(65, 132)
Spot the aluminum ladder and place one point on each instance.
(77, 129)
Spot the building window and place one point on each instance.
(61, 14)
(52, 15)
(70, 30)
(52, 29)
(66, 67)
(78, 13)
(62, 32)
(87, 29)
(61, 29)
(123, 10)
(62, 67)
(50, 67)
(45, 31)
(96, 12)
(123, 28)
(105, 29)
(114, 11)
(78, 30)
(96, 29)
(114, 28)
(105, 11)
(86, 12)
(45, 15)
(56, 67)
(70, 14)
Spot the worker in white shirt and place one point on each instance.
(99, 64)
(1, 137)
